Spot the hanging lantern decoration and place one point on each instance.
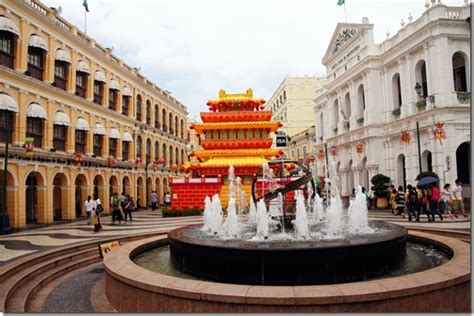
(321, 154)
(405, 137)
(439, 132)
(310, 159)
(182, 169)
(161, 161)
(111, 161)
(334, 151)
(29, 146)
(154, 165)
(138, 162)
(360, 148)
(79, 157)
(174, 167)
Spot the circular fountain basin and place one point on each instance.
(445, 288)
(288, 262)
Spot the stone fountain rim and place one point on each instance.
(119, 266)
(396, 232)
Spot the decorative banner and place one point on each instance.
(334, 151)
(405, 137)
(29, 146)
(360, 148)
(321, 154)
(439, 132)
(111, 161)
(79, 156)
(138, 162)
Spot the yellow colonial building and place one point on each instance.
(78, 120)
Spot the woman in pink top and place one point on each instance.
(434, 202)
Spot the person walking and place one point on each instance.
(116, 214)
(154, 200)
(446, 201)
(123, 202)
(400, 200)
(98, 209)
(129, 207)
(422, 205)
(167, 199)
(434, 202)
(393, 198)
(458, 198)
(412, 200)
(89, 206)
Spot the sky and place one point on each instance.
(193, 48)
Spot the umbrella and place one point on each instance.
(427, 180)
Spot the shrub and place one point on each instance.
(380, 185)
(421, 104)
(176, 212)
(397, 112)
(360, 120)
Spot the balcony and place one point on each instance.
(464, 97)
(421, 105)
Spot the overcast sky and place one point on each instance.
(195, 47)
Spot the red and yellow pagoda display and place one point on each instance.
(236, 131)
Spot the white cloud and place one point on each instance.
(193, 48)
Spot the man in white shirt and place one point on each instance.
(458, 200)
(89, 206)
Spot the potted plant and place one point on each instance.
(379, 186)
(421, 104)
(396, 112)
(360, 120)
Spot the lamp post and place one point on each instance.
(5, 222)
(419, 92)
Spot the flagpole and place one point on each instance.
(85, 21)
(345, 14)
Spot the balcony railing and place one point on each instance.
(463, 96)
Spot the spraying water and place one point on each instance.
(215, 220)
(358, 221)
(301, 220)
(231, 224)
(318, 209)
(207, 214)
(262, 220)
(334, 211)
(252, 219)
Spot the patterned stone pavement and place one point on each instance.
(26, 242)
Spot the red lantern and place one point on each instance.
(161, 161)
(439, 132)
(174, 167)
(334, 151)
(321, 154)
(360, 148)
(138, 162)
(405, 137)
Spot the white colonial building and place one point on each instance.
(369, 98)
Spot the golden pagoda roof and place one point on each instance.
(265, 152)
(235, 96)
(235, 161)
(273, 126)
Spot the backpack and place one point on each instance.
(412, 196)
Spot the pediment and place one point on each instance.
(343, 34)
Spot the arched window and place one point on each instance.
(176, 122)
(163, 151)
(148, 112)
(148, 151)
(170, 123)
(182, 129)
(8, 39)
(157, 117)
(396, 91)
(347, 106)
(37, 49)
(157, 150)
(61, 69)
(163, 116)
(335, 113)
(139, 146)
(459, 72)
(182, 156)
(420, 76)
(139, 108)
(426, 161)
(171, 155)
(463, 162)
(360, 101)
(176, 155)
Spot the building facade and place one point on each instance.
(292, 104)
(301, 145)
(89, 122)
(376, 94)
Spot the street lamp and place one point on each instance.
(419, 92)
(419, 89)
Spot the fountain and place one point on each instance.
(261, 251)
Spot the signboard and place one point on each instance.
(281, 141)
(107, 247)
